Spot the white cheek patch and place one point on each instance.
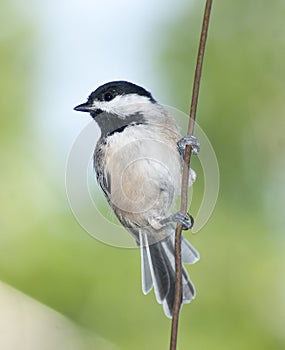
(123, 105)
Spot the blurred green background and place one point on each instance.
(44, 253)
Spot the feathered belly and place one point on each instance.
(144, 177)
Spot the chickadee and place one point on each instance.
(138, 164)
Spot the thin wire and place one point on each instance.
(185, 176)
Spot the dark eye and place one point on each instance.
(108, 96)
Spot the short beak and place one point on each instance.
(84, 107)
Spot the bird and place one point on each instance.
(138, 162)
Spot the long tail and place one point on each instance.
(158, 270)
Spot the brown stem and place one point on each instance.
(185, 176)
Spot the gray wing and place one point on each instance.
(102, 175)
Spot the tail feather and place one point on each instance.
(158, 270)
(146, 265)
(189, 254)
(151, 267)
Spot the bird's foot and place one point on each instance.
(191, 141)
(187, 220)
